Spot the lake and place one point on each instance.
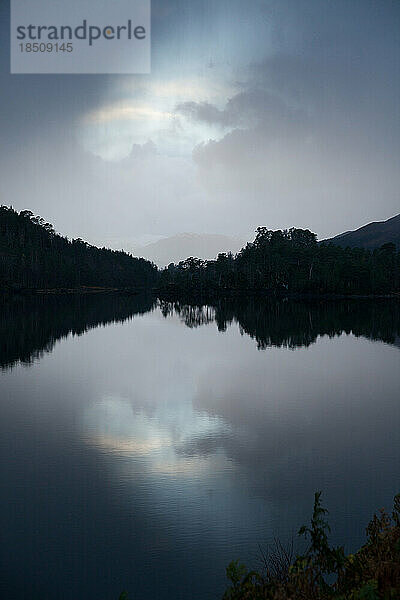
(145, 444)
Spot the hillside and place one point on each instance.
(179, 247)
(371, 236)
(34, 256)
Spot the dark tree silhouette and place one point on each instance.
(32, 255)
(288, 262)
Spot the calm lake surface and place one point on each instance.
(145, 445)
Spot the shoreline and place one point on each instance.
(84, 290)
(171, 295)
(268, 295)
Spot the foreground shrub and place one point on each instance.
(324, 572)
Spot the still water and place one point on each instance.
(144, 445)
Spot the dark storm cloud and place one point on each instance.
(314, 133)
(255, 107)
(343, 74)
(204, 111)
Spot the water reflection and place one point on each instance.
(114, 425)
(31, 325)
(291, 323)
(149, 453)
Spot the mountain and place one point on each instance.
(371, 236)
(181, 246)
(33, 255)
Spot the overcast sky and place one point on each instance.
(266, 112)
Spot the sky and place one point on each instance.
(274, 113)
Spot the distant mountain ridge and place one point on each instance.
(371, 236)
(179, 247)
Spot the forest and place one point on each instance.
(34, 256)
(289, 262)
(286, 262)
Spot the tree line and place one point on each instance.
(34, 256)
(289, 261)
(282, 262)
